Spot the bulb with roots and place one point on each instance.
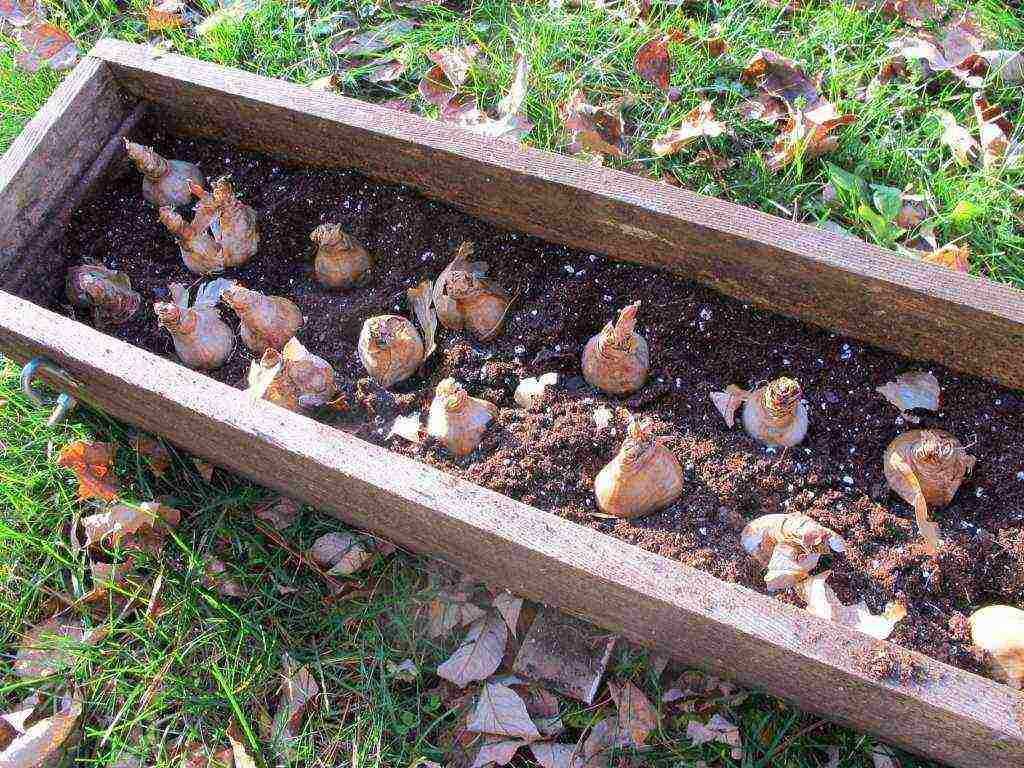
(232, 222)
(390, 349)
(465, 299)
(164, 182)
(294, 378)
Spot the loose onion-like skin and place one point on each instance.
(232, 222)
(390, 348)
(925, 467)
(267, 322)
(305, 381)
(165, 182)
(999, 630)
(774, 414)
(106, 293)
(465, 299)
(644, 477)
(457, 420)
(617, 359)
(788, 546)
(202, 340)
(341, 261)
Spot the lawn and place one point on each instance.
(207, 660)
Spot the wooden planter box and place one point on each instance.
(971, 325)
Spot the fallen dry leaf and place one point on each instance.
(803, 138)
(49, 647)
(135, 526)
(496, 750)
(421, 300)
(91, 464)
(279, 513)
(155, 452)
(822, 601)
(553, 755)
(385, 72)
(914, 389)
(605, 736)
(994, 132)
(594, 129)
(784, 89)
(500, 711)
(544, 710)
(19, 13)
(717, 729)
(958, 139)
(699, 122)
(215, 577)
(372, 41)
(47, 743)
(451, 67)
(16, 721)
(205, 469)
(509, 606)
(511, 123)
(165, 15)
(239, 752)
(342, 553)
(951, 256)
(45, 44)
(652, 61)
(447, 611)
(480, 653)
(637, 717)
(298, 689)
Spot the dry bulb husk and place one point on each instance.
(774, 414)
(267, 322)
(823, 602)
(789, 546)
(617, 359)
(466, 299)
(165, 182)
(644, 476)
(201, 338)
(106, 293)
(390, 348)
(457, 420)
(341, 261)
(925, 467)
(294, 378)
(222, 234)
(532, 389)
(999, 630)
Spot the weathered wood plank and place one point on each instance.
(40, 171)
(923, 311)
(952, 715)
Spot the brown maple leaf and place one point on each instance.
(91, 464)
(783, 88)
(597, 129)
(45, 45)
(804, 138)
(652, 61)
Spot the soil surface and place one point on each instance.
(700, 341)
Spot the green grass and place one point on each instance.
(895, 140)
(220, 658)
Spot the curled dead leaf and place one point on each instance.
(699, 122)
(597, 129)
(958, 139)
(652, 61)
(45, 45)
(914, 389)
(822, 601)
(719, 729)
(784, 88)
(804, 138)
(509, 606)
(451, 67)
(994, 132)
(51, 647)
(134, 526)
(342, 553)
(480, 653)
(298, 689)
(91, 464)
(500, 711)
(47, 743)
(637, 717)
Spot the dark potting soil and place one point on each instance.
(700, 341)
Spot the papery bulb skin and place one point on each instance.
(776, 413)
(106, 293)
(201, 339)
(805, 534)
(165, 182)
(466, 300)
(617, 359)
(457, 420)
(267, 322)
(999, 631)
(304, 382)
(199, 250)
(938, 461)
(341, 261)
(644, 477)
(390, 349)
(232, 222)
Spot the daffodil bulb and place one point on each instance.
(164, 182)
(644, 477)
(266, 322)
(390, 349)
(925, 468)
(774, 414)
(201, 338)
(457, 420)
(294, 378)
(999, 631)
(232, 222)
(341, 261)
(466, 299)
(617, 359)
(106, 293)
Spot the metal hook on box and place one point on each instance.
(65, 402)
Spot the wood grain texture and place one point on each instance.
(922, 311)
(40, 171)
(730, 631)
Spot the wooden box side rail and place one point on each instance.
(728, 630)
(920, 310)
